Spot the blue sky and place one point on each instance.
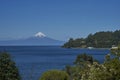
(58, 19)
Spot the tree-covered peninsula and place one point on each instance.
(98, 40)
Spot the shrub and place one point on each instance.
(55, 75)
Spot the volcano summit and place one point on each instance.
(39, 39)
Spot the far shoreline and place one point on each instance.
(87, 48)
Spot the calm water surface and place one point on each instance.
(32, 61)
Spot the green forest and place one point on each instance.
(103, 39)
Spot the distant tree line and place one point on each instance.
(98, 40)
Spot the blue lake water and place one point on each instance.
(32, 61)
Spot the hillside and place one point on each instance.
(98, 40)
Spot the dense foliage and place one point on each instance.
(8, 69)
(55, 75)
(86, 68)
(97, 40)
(81, 66)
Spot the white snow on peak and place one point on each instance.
(40, 34)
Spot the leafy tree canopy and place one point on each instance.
(8, 69)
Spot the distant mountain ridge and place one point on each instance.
(39, 39)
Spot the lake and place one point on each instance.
(32, 61)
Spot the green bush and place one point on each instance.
(8, 69)
(86, 68)
(54, 75)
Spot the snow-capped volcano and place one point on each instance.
(38, 40)
(40, 34)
